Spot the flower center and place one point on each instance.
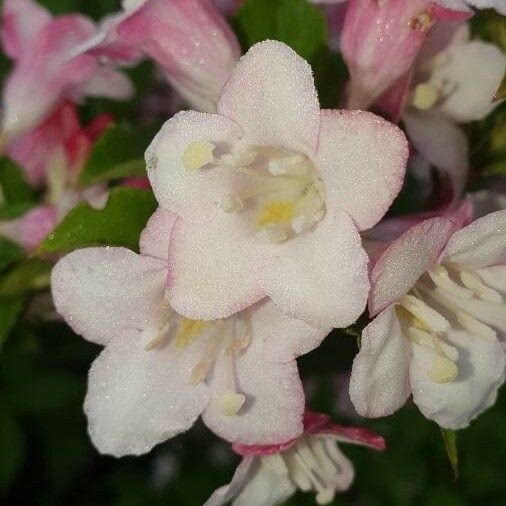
(222, 340)
(279, 191)
(464, 298)
(314, 463)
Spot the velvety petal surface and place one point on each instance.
(406, 259)
(194, 194)
(271, 95)
(103, 292)
(137, 398)
(481, 372)
(320, 276)
(379, 383)
(362, 160)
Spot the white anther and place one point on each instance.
(474, 326)
(325, 496)
(284, 166)
(231, 203)
(239, 159)
(272, 234)
(425, 314)
(229, 402)
(441, 278)
(474, 283)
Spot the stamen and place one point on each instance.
(160, 337)
(275, 463)
(443, 370)
(240, 159)
(272, 234)
(276, 212)
(187, 331)
(286, 165)
(441, 278)
(230, 402)
(426, 339)
(199, 372)
(425, 314)
(474, 283)
(474, 326)
(425, 96)
(197, 155)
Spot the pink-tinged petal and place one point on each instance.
(155, 238)
(481, 372)
(32, 228)
(265, 487)
(393, 99)
(286, 338)
(379, 383)
(103, 292)
(190, 40)
(108, 83)
(214, 268)
(242, 475)
(457, 11)
(353, 435)
(444, 35)
(441, 142)
(320, 276)
(274, 405)
(260, 450)
(272, 96)
(476, 69)
(406, 259)
(481, 243)
(137, 398)
(194, 194)
(21, 22)
(362, 160)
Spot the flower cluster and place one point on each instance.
(273, 227)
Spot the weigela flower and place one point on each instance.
(190, 41)
(465, 5)
(437, 294)
(48, 66)
(270, 194)
(269, 475)
(453, 81)
(160, 371)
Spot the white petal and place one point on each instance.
(495, 277)
(379, 383)
(481, 372)
(155, 238)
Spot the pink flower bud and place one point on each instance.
(190, 40)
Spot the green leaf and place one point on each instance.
(13, 448)
(118, 224)
(9, 253)
(298, 23)
(16, 195)
(27, 276)
(490, 26)
(450, 442)
(118, 153)
(10, 309)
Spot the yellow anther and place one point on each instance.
(423, 21)
(425, 96)
(276, 212)
(187, 331)
(229, 402)
(443, 370)
(197, 155)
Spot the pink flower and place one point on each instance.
(464, 5)
(380, 40)
(189, 39)
(160, 371)
(437, 294)
(49, 67)
(269, 475)
(271, 193)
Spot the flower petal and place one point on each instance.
(102, 292)
(481, 372)
(362, 159)
(481, 244)
(137, 398)
(155, 238)
(108, 83)
(406, 259)
(441, 142)
(379, 383)
(286, 338)
(495, 277)
(214, 268)
(274, 405)
(21, 22)
(462, 5)
(271, 95)
(320, 276)
(193, 194)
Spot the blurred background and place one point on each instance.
(46, 458)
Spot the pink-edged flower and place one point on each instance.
(313, 462)
(160, 371)
(454, 80)
(48, 65)
(437, 295)
(270, 194)
(189, 39)
(465, 5)
(380, 41)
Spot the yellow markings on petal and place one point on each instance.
(443, 370)
(276, 212)
(425, 96)
(229, 402)
(187, 331)
(197, 155)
